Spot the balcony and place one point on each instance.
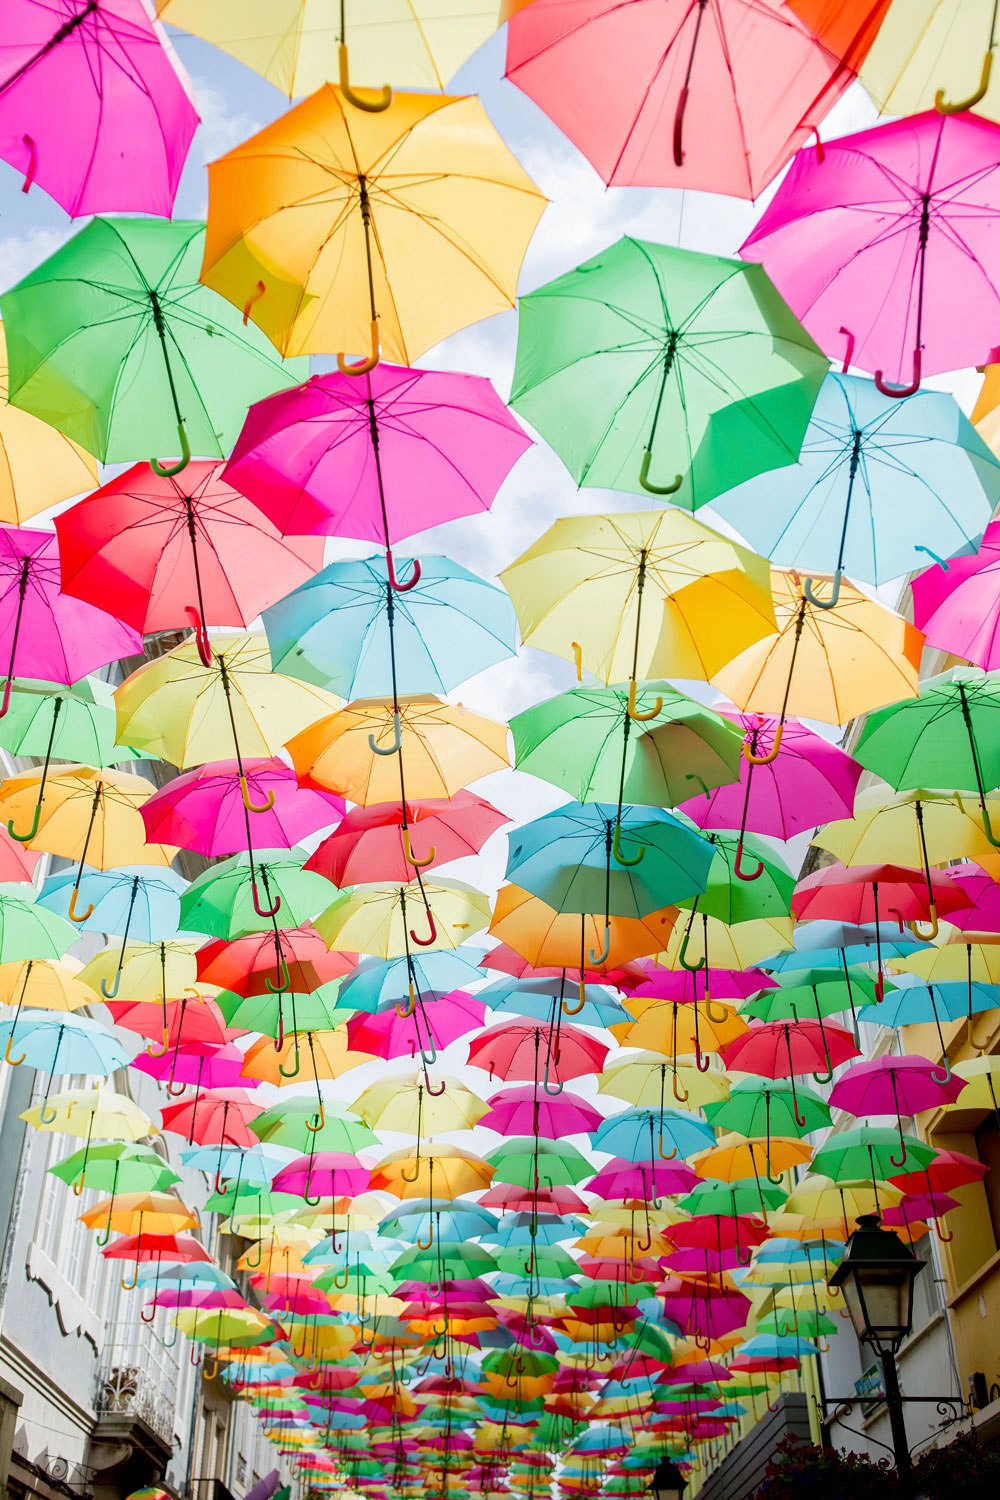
(138, 1379)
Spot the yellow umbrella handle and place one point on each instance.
(944, 108)
(634, 713)
(255, 807)
(371, 106)
(418, 864)
(927, 937)
(578, 659)
(408, 1009)
(772, 754)
(363, 365)
(74, 915)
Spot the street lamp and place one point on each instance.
(668, 1483)
(876, 1276)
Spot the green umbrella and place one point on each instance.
(115, 342)
(526, 1362)
(28, 930)
(731, 895)
(287, 1124)
(948, 737)
(222, 900)
(744, 1196)
(804, 1321)
(537, 1260)
(525, 1158)
(358, 1275)
(866, 1151)
(652, 358)
(285, 1011)
(584, 740)
(77, 723)
(250, 1200)
(116, 1167)
(803, 994)
(759, 1108)
(443, 1261)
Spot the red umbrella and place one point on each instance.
(510, 1198)
(859, 893)
(371, 843)
(264, 962)
(505, 960)
(219, 1117)
(183, 1248)
(193, 1021)
(782, 1049)
(520, 1049)
(179, 549)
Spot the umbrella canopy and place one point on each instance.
(957, 608)
(38, 466)
(115, 342)
(935, 52)
(370, 843)
(226, 899)
(204, 809)
(375, 919)
(418, 218)
(75, 722)
(655, 369)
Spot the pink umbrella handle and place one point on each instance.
(363, 366)
(849, 336)
(427, 941)
(200, 635)
(394, 583)
(899, 391)
(959, 108)
(167, 471)
(435, 1093)
(370, 106)
(260, 910)
(742, 874)
(261, 289)
(5, 704)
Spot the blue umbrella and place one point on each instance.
(419, 1218)
(347, 630)
(376, 984)
(540, 998)
(633, 1133)
(832, 944)
(255, 1164)
(54, 1042)
(881, 485)
(519, 1229)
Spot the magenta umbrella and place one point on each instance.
(647, 1179)
(810, 783)
(523, 1111)
(897, 1086)
(890, 243)
(430, 1025)
(706, 1312)
(376, 458)
(687, 987)
(323, 1174)
(44, 633)
(94, 105)
(983, 911)
(959, 609)
(205, 1067)
(204, 808)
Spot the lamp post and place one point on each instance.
(668, 1483)
(876, 1276)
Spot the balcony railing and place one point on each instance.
(138, 1377)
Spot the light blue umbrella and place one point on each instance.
(540, 998)
(597, 857)
(881, 487)
(376, 984)
(137, 901)
(633, 1134)
(419, 1218)
(55, 1042)
(334, 630)
(832, 944)
(540, 1229)
(254, 1164)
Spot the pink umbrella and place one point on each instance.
(524, 1111)
(898, 1086)
(959, 610)
(707, 1312)
(687, 987)
(890, 242)
(323, 1174)
(45, 634)
(983, 911)
(16, 862)
(179, 549)
(626, 1179)
(917, 1208)
(810, 783)
(371, 843)
(215, 1068)
(428, 1027)
(504, 960)
(376, 458)
(204, 808)
(94, 105)
(714, 97)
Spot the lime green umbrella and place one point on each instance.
(744, 1196)
(786, 1321)
(948, 737)
(813, 994)
(247, 1199)
(525, 1158)
(28, 930)
(115, 342)
(443, 1261)
(116, 1167)
(223, 900)
(358, 1276)
(288, 1124)
(868, 1151)
(655, 369)
(281, 1012)
(733, 893)
(526, 1361)
(584, 740)
(765, 1107)
(49, 720)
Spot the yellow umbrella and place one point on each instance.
(821, 1200)
(91, 816)
(38, 466)
(150, 972)
(957, 956)
(827, 664)
(986, 412)
(338, 228)
(551, 939)
(403, 1103)
(42, 985)
(642, 1079)
(982, 1084)
(295, 43)
(440, 747)
(445, 1172)
(651, 594)
(917, 828)
(722, 947)
(90, 1113)
(188, 713)
(387, 920)
(734, 1158)
(928, 51)
(134, 1213)
(326, 1054)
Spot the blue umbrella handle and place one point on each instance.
(944, 108)
(370, 106)
(109, 994)
(830, 603)
(363, 366)
(167, 471)
(596, 959)
(644, 480)
(397, 739)
(941, 562)
(900, 391)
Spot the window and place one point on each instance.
(987, 1139)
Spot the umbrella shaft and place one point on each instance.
(65, 30)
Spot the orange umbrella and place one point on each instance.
(551, 939)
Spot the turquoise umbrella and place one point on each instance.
(347, 629)
(54, 1042)
(141, 902)
(880, 487)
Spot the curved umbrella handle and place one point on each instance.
(427, 941)
(363, 366)
(74, 915)
(321, 1121)
(849, 336)
(210, 1373)
(681, 1094)
(128, 1286)
(200, 635)
(173, 1090)
(599, 958)
(405, 1176)
(827, 1075)
(397, 742)
(370, 106)
(435, 1093)
(284, 983)
(411, 858)
(899, 391)
(682, 957)
(702, 786)
(644, 480)
(616, 850)
(701, 1060)
(294, 1072)
(109, 994)
(167, 471)
(78, 1184)
(25, 838)
(717, 1017)
(430, 1236)
(772, 754)
(409, 1007)
(944, 108)
(927, 937)
(254, 807)
(394, 583)
(818, 603)
(263, 911)
(894, 911)
(634, 713)
(944, 1238)
(678, 141)
(220, 1186)
(5, 704)
(574, 1010)
(664, 1155)
(15, 1062)
(152, 1051)
(142, 1313)
(742, 874)
(987, 828)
